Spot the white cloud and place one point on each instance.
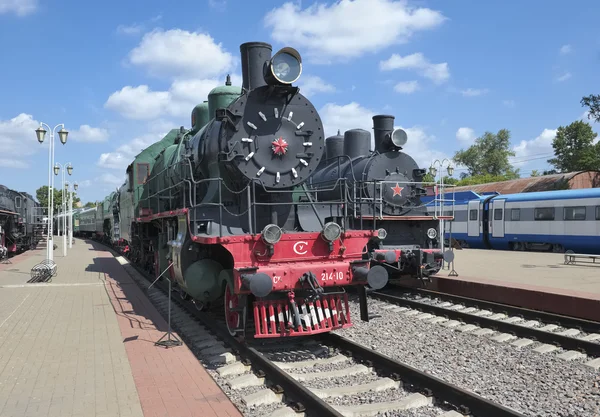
(566, 49)
(564, 77)
(86, 133)
(420, 146)
(474, 92)
(218, 4)
(84, 183)
(18, 7)
(179, 53)
(13, 163)
(534, 152)
(345, 117)
(509, 103)
(134, 29)
(124, 154)
(141, 103)
(466, 136)
(111, 179)
(406, 87)
(438, 73)
(138, 102)
(18, 139)
(348, 29)
(311, 85)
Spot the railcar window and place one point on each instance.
(515, 215)
(574, 213)
(597, 212)
(473, 214)
(18, 202)
(544, 213)
(497, 214)
(143, 172)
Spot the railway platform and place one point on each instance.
(83, 345)
(535, 280)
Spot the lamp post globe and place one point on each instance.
(450, 170)
(433, 171)
(75, 186)
(69, 169)
(56, 169)
(62, 134)
(40, 133)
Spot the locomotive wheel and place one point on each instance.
(235, 312)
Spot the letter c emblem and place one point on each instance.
(301, 247)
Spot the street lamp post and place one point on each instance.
(69, 170)
(71, 196)
(62, 134)
(434, 171)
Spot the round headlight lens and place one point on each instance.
(382, 234)
(271, 234)
(431, 233)
(331, 231)
(286, 66)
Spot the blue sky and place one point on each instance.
(120, 74)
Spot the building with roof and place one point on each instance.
(566, 181)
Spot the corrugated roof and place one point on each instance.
(524, 185)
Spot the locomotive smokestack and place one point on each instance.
(254, 56)
(382, 125)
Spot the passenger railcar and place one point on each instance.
(544, 221)
(217, 209)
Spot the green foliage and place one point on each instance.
(447, 179)
(484, 179)
(574, 148)
(593, 103)
(90, 204)
(535, 173)
(42, 196)
(488, 156)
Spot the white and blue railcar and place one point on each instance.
(549, 220)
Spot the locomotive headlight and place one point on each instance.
(431, 233)
(285, 67)
(331, 231)
(271, 234)
(381, 234)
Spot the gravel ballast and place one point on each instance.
(531, 383)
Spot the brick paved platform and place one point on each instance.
(83, 345)
(538, 281)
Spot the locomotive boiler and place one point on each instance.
(217, 208)
(386, 189)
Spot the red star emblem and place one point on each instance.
(279, 146)
(397, 190)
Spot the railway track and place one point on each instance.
(327, 375)
(502, 322)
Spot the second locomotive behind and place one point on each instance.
(385, 186)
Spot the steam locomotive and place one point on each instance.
(221, 209)
(386, 187)
(20, 222)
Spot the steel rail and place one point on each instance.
(465, 401)
(282, 382)
(585, 325)
(590, 348)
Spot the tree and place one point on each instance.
(42, 196)
(89, 204)
(535, 173)
(488, 156)
(593, 103)
(574, 148)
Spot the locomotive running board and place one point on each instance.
(274, 318)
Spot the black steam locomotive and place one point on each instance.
(385, 187)
(20, 222)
